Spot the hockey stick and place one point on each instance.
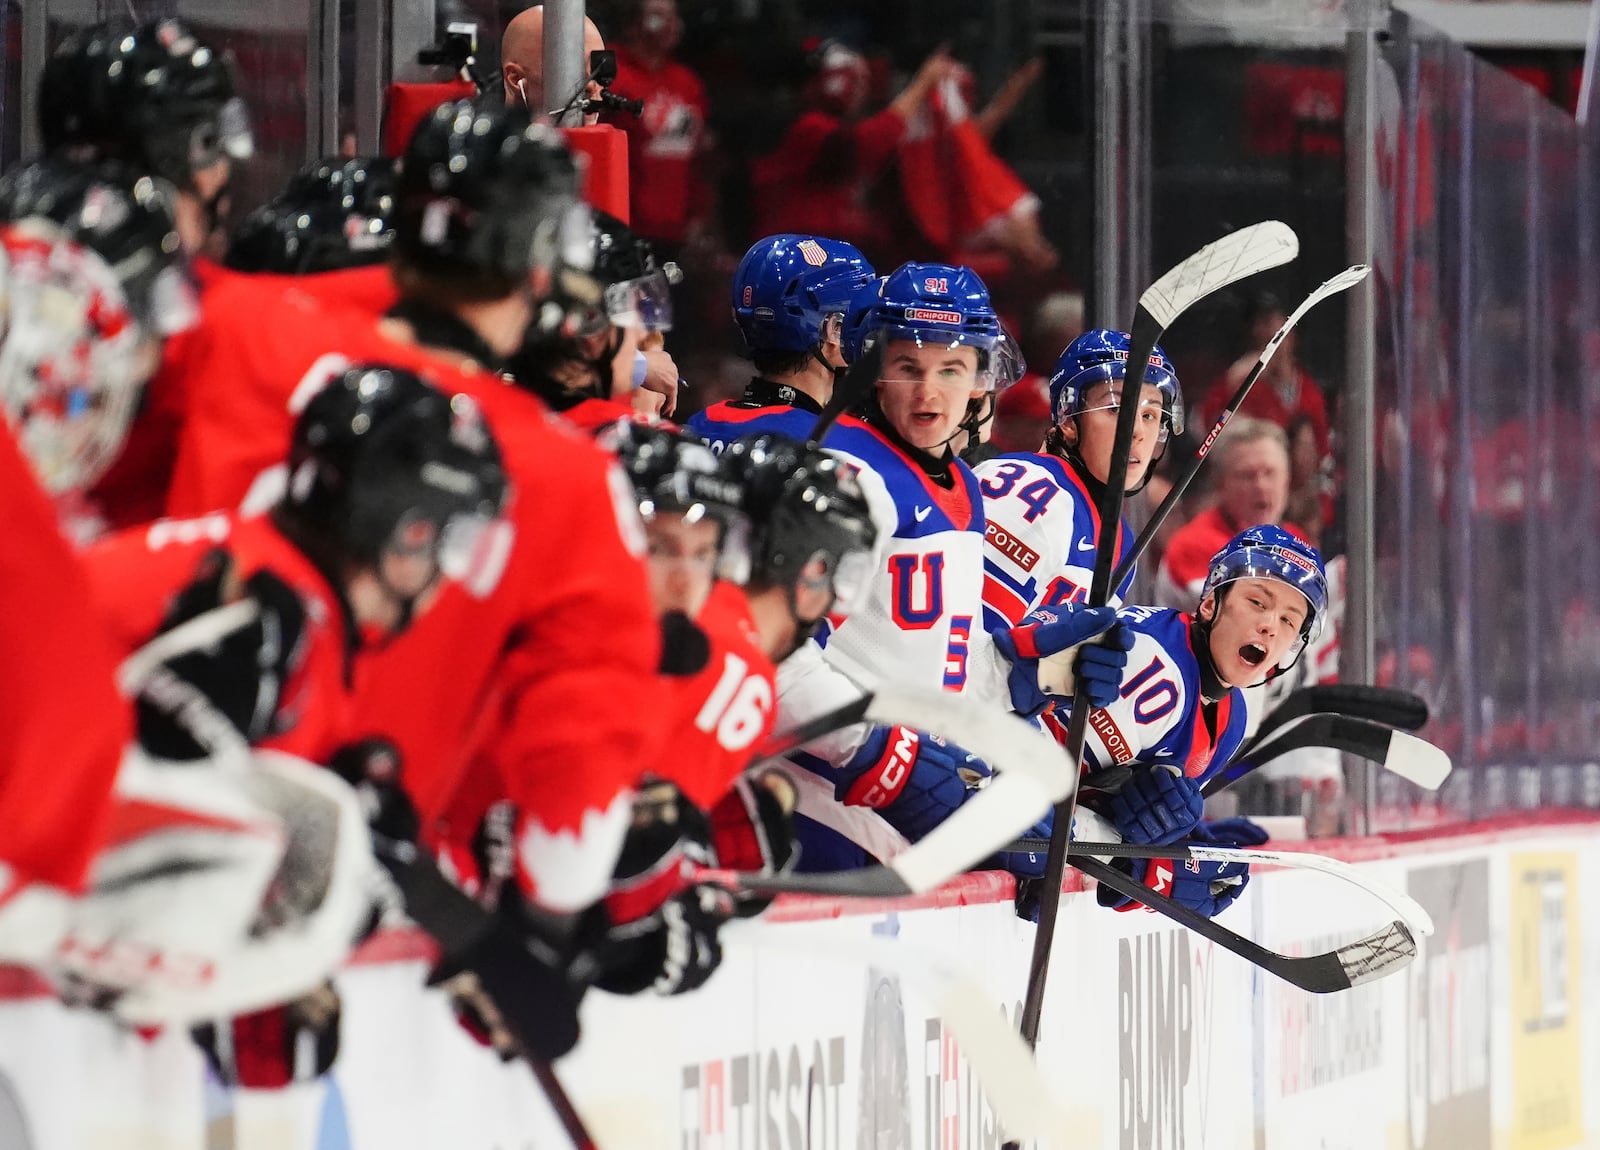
(1413, 759)
(455, 921)
(1411, 913)
(1380, 704)
(1024, 1104)
(1398, 752)
(1245, 252)
(1030, 773)
(1383, 952)
(848, 390)
(1333, 286)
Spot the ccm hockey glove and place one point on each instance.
(1207, 887)
(913, 779)
(1088, 641)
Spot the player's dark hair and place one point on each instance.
(770, 364)
(444, 290)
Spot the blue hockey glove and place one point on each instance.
(1053, 635)
(1207, 887)
(1156, 806)
(1026, 864)
(913, 779)
(1235, 832)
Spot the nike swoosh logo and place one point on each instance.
(923, 513)
(1089, 546)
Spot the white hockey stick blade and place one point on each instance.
(1417, 760)
(1333, 285)
(1409, 909)
(1032, 773)
(1090, 829)
(1221, 262)
(1024, 1105)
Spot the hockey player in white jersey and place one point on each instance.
(1179, 715)
(920, 621)
(1042, 509)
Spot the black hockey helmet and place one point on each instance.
(381, 461)
(637, 286)
(333, 214)
(805, 508)
(124, 217)
(671, 470)
(155, 96)
(485, 191)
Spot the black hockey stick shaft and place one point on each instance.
(848, 390)
(1316, 973)
(455, 921)
(1395, 708)
(1143, 342)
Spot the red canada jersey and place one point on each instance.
(63, 726)
(136, 575)
(721, 713)
(532, 693)
(519, 691)
(264, 339)
(136, 488)
(666, 192)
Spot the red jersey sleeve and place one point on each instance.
(63, 726)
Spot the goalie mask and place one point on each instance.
(92, 276)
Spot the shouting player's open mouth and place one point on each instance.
(1253, 654)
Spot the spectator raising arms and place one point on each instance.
(818, 177)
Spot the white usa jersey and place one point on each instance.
(919, 621)
(1041, 528)
(1160, 715)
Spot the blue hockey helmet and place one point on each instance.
(1270, 552)
(933, 305)
(788, 285)
(1101, 354)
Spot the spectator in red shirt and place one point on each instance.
(818, 178)
(1252, 487)
(1284, 392)
(667, 188)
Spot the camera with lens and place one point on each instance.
(603, 72)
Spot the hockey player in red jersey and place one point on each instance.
(605, 364)
(92, 279)
(791, 533)
(394, 486)
(92, 276)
